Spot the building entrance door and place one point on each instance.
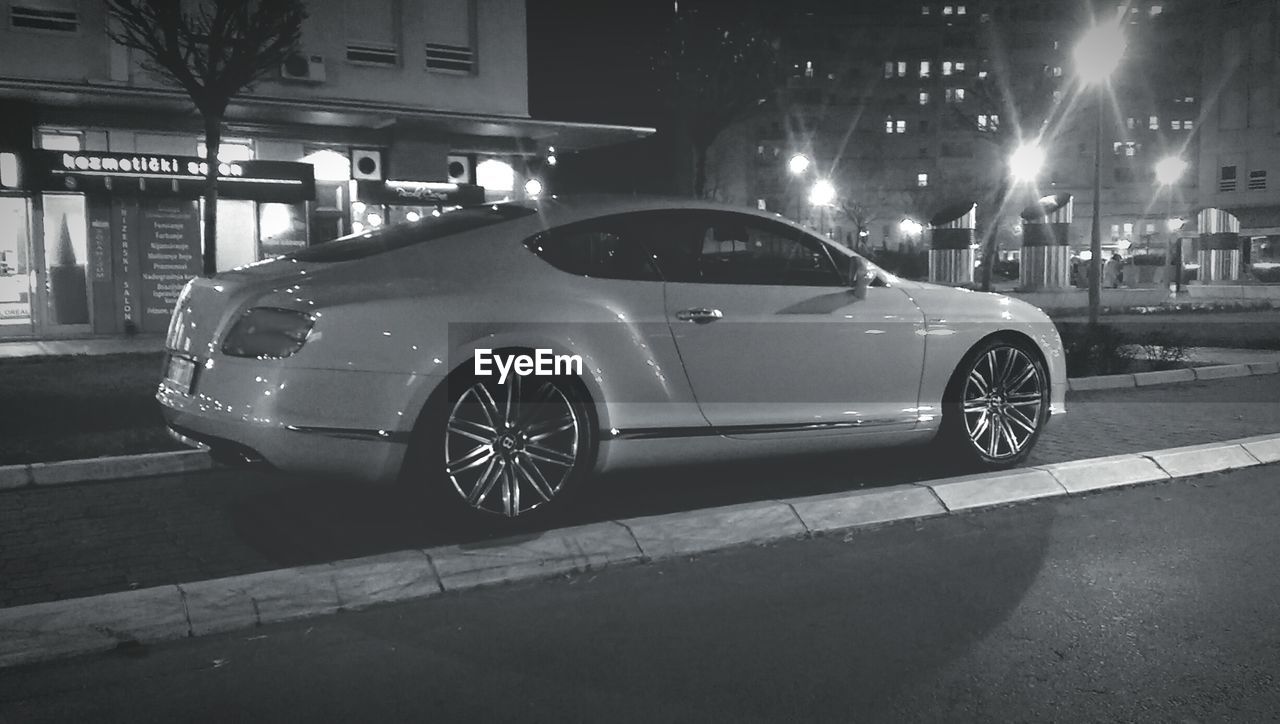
(64, 298)
(16, 270)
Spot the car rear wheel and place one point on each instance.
(996, 404)
(507, 451)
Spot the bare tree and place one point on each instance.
(213, 50)
(714, 68)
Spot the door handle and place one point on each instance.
(700, 315)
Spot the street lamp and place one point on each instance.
(822, 194)
(911, 228)
(1168, 170)
(798, 164)
(532, 188)
(1026, 161)
(1096, 57)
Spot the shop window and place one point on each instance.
(237, 234)
(370, 28)
(229, 150)
(450, 45)
(54, 16)
(56, 141)
(15, 264)
(66, 258)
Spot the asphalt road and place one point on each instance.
(1157, 603)
(80, 540)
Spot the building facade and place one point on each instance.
(908, 108)
(389, 110)
(1240, 134)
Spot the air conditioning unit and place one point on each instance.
(303, 68)
(460, 170)
(366, 164)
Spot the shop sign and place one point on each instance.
(167, 175)
(419, 193)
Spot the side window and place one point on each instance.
(715, 247)
(594, 249)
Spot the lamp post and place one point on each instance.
(798, 165)
(1168, 170)
(1096, 57)
(822, 194)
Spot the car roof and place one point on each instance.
(566, 209)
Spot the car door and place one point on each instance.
(770, 333)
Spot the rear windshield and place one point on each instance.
(368, 243)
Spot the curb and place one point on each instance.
(1169, 377)
(44, 631)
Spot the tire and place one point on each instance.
(996, 405)
(497, 453)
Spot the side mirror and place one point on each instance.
(861, 276)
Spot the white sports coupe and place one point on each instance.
(500, 356)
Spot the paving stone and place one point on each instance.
(59, 628)
(227, 604)
(983, 489)
(1219, 372)
(1105, 472)
(864, 507)
(1265, 448)
(1100, 382)
(680, 534)
(537, 555)
(1198, 459)
(1163, 377)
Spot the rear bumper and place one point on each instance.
(344, 423)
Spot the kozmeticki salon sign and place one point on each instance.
(154, 174)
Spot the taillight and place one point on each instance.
(268, 332)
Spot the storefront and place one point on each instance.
(102, 243)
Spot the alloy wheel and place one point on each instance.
(1002, 402)
(510, 448)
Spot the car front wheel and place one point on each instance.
(996, 405)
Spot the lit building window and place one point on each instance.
(955, 95)
(960, 10)
(948, 10)
(982, 74)
(888, 69)
(1153, 123)
(1115, 231)
(922, 180)
(1131, 122)
(901, 126)
(924, 10)
(1150, 228)
(946, 67)
(924, 98)
(1155, 10)
(1057, 71)
(924, 69)
(1175, 125)
(1188, 124)
(902, 69)
(808, 69)
(959, 66)
(888, 125)
(1128, 229)
(988, 122)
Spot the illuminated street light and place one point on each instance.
(798, 164)
(823, 193)
(1026, 161)
(532, 188)
(1169, 169)
(1096, 56)
(911, 227)
(1176, 224)
(1098, 53)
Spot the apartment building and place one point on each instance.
(390, 110)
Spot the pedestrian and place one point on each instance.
(1111, 272)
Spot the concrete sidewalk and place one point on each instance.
(89, 346)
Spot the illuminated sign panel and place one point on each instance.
(166, 175)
